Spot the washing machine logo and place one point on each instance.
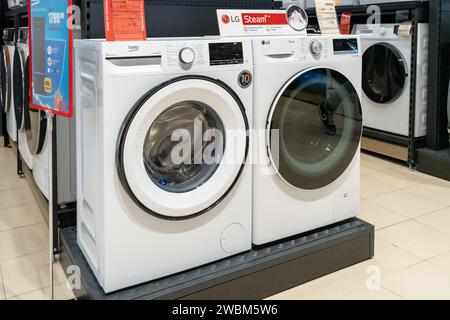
(226, 19)
(133, 48)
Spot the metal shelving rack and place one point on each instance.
(415, 11)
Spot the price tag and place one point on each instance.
(125, 20)
(326, 14)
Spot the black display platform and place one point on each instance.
(257, 274)
(435, 163)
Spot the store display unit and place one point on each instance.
(262, 272)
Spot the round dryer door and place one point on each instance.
(18, 88)
(183, 146)
(2, 81)
(34, 122)
(315, 128)
(6, 79)
(384, 73)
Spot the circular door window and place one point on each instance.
(315, 128)
(2, 81)
(6, 79)
(18, 88)
(384, 73)
(183, 147)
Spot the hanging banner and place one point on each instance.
(50, 41)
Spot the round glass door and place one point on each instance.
(6, 79)
(384, 73)
(2, 81)
(315, 128)
(183, 147)
(18, 88)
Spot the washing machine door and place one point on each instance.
(6, 79)
(314, 128)
(384, 73)
(34, 121)
(18, 88)
(182, 148)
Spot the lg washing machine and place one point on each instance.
(309, 124)
(162, 143)
(386, 79)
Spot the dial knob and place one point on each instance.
(315, 47)
(187, 56)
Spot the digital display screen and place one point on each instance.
(226, 53)
(349, 45)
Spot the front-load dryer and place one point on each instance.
(153, 199)
(308, 122)
(386, 79)
(22, 94)
(9, 53)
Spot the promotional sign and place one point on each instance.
(262, 22)
(125, 20)
(50, 41)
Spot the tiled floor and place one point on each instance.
(24, 267)
(411, 212)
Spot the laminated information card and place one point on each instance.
(125, 20)
(326, 14)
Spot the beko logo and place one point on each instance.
(133, 48)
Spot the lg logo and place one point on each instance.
(226, 19)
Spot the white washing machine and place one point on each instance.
(6, 69)
(22, 94)
(9, 52)
(142, 213)
(38, 144)
(309, 123)
(386, 79)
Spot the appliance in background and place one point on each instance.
(141, 213)
(307, 93)
(386, 79)
(6, 69)
(448, 111)
(22, 94)
(12, 4)
(171, 18)
(38, 144)
(9, 37)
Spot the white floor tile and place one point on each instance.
(11, 181)
(29, 273)
(20, 216)
(61, 292)
(407, 204)
(22, 241)
(439, 220)
(378, 216)
(416, 238)
(16, 197)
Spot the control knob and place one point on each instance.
(187, 56)
(315, 47)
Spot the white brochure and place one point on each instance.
(326, 14)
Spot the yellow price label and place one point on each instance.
(48, 85)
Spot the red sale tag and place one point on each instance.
(125, 20)
(345, 22)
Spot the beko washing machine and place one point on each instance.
(386, 79)
(145, 209)
(309, 124)
(22, 94)
(9, 52)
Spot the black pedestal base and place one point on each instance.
(257, 274)
(435, 163)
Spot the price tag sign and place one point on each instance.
(327, 16)
(125, 20)
(50, 42)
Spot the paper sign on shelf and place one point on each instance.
(259, 22)
(125, 20)
(50, 42)
(326, 14)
